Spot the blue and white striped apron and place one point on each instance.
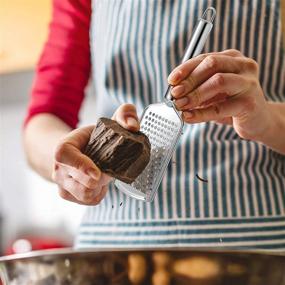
(135, 45)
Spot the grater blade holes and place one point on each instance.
(161, 132)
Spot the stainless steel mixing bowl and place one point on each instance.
(141, 267)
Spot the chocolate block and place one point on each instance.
(118, 152)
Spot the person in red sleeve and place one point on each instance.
(231, 97)
(62, 74)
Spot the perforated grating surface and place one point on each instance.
(163, 127)
(160, 132)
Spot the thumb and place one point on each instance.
(126, 116)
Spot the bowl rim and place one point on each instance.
(74, 251)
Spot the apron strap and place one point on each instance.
(282, 8)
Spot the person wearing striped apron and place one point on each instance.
(233, 102)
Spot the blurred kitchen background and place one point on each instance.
(29, 206)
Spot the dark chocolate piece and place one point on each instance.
(118, 152)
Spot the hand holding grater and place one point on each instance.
(163, 124)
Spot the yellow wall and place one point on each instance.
(23, 30)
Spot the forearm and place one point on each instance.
(274, 137)
(41, 136)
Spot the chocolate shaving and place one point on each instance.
(201, 179)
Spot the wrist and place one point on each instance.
(41, 131)
(274, 134)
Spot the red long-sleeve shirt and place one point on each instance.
(64, 67)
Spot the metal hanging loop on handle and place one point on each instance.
(209, 12)
(197, 42)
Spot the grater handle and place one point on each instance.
(200, 35)
(197, 41)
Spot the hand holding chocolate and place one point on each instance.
(118, 152)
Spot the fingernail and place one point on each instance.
(181, 102)
(178, 90)
(174, 76)
(132, 122)
(95, 174)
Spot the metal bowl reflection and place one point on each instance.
(141, 267)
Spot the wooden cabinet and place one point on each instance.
(23, 31)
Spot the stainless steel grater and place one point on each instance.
(163, 124)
